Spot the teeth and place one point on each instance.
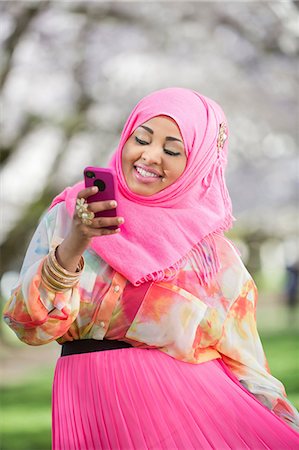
(144, 173)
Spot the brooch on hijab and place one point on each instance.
(222, 136)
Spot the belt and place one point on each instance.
(91, 345)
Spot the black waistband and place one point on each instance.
(91, 345)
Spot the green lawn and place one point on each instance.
(26, 415)
(282, 351)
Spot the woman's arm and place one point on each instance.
(35, 314)
(242, 351)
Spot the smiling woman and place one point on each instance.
(157, 317)
(154, 156)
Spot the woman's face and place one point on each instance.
(154, 156)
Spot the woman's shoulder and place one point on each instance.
(227, 251)
(224, 283)
(228, 254)
(233, 274)
(218, 255)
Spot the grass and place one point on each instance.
(26, 411)
(26, 414)
(282, 352)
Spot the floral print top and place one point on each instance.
(183, 318)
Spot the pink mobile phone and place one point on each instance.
(104, 180)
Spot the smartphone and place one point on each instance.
(104, 180)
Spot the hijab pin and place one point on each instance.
(222, 136)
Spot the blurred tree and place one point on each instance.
(73, 70)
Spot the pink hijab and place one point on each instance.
(161, 232)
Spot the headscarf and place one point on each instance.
(162, 231)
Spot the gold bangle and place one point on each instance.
(61, 269)
(61, 281)
(55, 287)
(55, 277)
(58, 274)
(50, 281)
(56, 283)
(47, 284)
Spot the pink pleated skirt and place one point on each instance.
(138, 399)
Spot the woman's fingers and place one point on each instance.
(90, 231)
(98, 226)
(104, 231)
(87, 192)
(104, 222)
(102, 206)
(96, 206)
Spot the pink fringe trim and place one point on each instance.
(203, 257)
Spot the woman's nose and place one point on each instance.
(152, 155)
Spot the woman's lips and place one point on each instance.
(146, 176)
(148, 169)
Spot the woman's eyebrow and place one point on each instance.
(168, 138)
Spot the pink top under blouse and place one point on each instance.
(182, 318)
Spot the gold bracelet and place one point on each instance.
(56, 278)
(48, 285)
(53, 286)
(61, 281)
(58, 274)
(61, 269)
(49, 280)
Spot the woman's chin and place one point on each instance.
(140, 190)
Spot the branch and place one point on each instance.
(22, 24)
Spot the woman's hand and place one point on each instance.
(70, 250)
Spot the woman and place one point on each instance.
(166, 291)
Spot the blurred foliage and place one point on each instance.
(30, 218)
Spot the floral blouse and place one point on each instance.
(182, 318)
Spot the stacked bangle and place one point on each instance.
(57, 279)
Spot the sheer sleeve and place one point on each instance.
(36, 315)
(242, 351)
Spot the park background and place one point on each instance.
(71, 71)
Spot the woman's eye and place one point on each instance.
(169, 152)
(140, 141)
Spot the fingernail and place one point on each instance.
(94, 188)
(113, 204)
(120, 220)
